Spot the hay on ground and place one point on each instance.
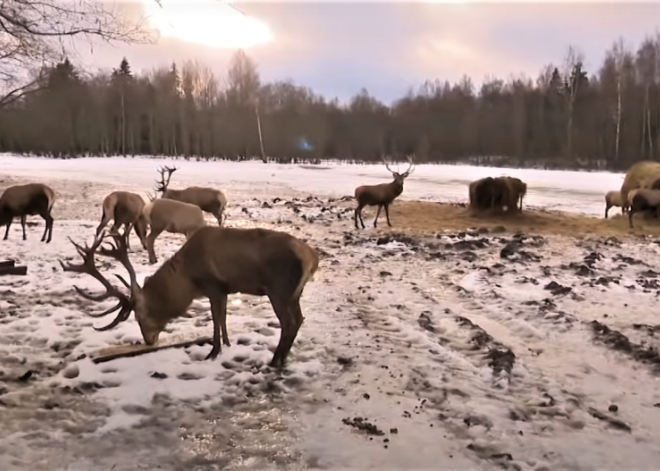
(426, 217)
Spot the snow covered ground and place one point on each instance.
(451, 351)
(582, 192)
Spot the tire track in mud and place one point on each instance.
(539, 401)
(548, 365)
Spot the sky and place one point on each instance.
(338, 47)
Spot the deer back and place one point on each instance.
(126, 207)
(383, 193)
(173, 216)
(27, 199)
(209, 199)
(250, 261)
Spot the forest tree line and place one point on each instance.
(567, 117)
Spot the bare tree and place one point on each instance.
(572, 70)
(619, 55)
(38, 32)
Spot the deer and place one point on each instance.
(208, 199)
(213, 263)
(125, 209)
(381, 195)
(171, 216)
(27, 200)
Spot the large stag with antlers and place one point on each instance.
(213, 263)
(208, 199)
(381, 195)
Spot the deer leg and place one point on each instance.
(355, 216)
(387, 214)
(377, 214)
(23, 221)
(49, 223)
(290, 316)
(151, 238)
(7, 230)
(105, 219)
(219, 312)
(128, 227)
(43, 237)
(218, 216)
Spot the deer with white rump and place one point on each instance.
(213, 263)
(124, 208)
(207, 199)
(381, 195)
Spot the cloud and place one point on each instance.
(339, 47)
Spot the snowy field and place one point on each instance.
(453, 351)
(581, 192)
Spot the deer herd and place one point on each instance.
(213, 262)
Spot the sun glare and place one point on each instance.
(210, 22)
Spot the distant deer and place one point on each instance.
(213, 263)
(27, 200)
(124, 208)
(208, 199)
(381, 195)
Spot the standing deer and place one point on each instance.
(125, 208)
(213, 263)
(208, 199)
(171, 216)
(381, 195)
(27, 200)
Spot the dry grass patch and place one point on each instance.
(418, 216)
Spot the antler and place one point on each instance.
(411, 167)
(88, 266)
(162, 184)
(387, 165)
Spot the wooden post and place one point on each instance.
(8, 267)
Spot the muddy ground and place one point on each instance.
(524, 343)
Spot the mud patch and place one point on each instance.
(618, 341)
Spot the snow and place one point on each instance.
(582, 192)
(399, 334)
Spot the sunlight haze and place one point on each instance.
(339, 47)
(208, 22)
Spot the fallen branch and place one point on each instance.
(127, 351)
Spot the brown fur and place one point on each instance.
(125, 209)
(645, 199)
(172, 216)
(381, 195)
(640, 175)
(488, 194)
(27, 200)
(207, 199)
(213, 263)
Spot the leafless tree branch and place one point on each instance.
(44, 31)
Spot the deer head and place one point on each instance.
(149, 327)
(398, 176)
(164, 181)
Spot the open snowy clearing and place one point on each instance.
(451, 350)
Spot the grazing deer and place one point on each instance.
(213, 263)
(125, 209)
(27, 200)
(208, 199)
(171, 216)
(381, 195)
